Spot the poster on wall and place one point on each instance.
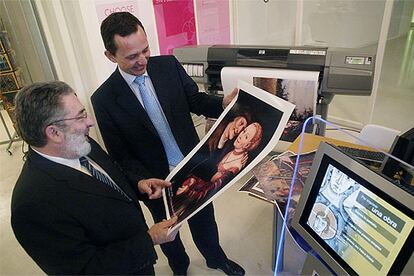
(213, 20)
(175, 24)
(247, 130)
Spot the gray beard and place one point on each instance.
(76, 146)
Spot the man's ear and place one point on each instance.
(54, 134)
(110, 56)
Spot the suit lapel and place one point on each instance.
(73, 178)
(129, 102)
(102, 159)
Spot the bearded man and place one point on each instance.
(73, 210)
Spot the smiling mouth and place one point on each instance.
(139, 67)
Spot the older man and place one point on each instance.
(73, 210)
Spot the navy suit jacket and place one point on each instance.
(71, 223)
(127, 131)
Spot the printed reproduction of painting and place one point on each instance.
(245, 133)
(275, 177)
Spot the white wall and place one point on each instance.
(72, 29)
(65, 55)
(260, 23)
(345, 23)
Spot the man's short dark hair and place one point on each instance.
(118, 23)
(37, 106)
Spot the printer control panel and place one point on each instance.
(358, 60)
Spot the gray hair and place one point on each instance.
(37, 106)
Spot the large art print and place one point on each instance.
(244, 134)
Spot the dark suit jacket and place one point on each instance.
(128, 133)
(70, 223)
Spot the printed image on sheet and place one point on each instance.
(275, 178)
(299, 92)
(252, 187)
(245, 133)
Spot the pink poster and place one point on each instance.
(213, 21)
(175, 24)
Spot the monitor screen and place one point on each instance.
(354, 219)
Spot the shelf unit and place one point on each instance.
(11, 81)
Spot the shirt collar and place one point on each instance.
(73, 163)
(128, 77)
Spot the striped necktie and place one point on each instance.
(101, 177)
(157, 117)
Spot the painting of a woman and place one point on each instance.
(198, 188)
(222, 139)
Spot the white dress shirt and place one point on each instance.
(134, 86)
(74, 163)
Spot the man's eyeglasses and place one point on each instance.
(83, 116)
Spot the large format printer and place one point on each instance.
(341, 71)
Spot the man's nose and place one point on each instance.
(142, 59)
(90, 122)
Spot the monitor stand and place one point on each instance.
(313, 266)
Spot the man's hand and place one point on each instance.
(152, 187)
(227, 99)
(158, 231)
